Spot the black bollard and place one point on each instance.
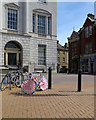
(9, 81)
(10, 84)
(49, 78)
(79, 81)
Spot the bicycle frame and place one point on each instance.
(33, 75)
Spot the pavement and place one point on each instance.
(62, 101)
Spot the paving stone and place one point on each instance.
(62, 101)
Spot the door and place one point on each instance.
(12, 58)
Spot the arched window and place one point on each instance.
(13, 54)
(42, 22)
(12, 44)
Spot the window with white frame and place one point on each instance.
(41, 25)
(41, 54)
(90, 30)
(12, 19)
(86, 32)
(42, 20)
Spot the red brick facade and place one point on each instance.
(90, 39)
(86, 47)
(74, 52)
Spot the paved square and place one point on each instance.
(62, 101)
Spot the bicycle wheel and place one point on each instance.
(29, 86)
(4, 83)
(43, 83)
(18, 80)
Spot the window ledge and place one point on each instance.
(12, 30)
(41, 35)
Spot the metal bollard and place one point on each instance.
(79, 81)
(49, 78)
(10, 84)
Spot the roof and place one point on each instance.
(60, 47)
(74, 33)
(89, 17)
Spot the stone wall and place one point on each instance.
(51, 52)
(30, 50)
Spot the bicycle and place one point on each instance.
(32, 82)
(14, 77)
(29, 86)
(18, 78)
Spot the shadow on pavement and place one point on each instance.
(48, 94)
(48, 119)
(67, 91)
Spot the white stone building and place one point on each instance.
(28, 34)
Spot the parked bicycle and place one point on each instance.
(13, 77)
(32, 82)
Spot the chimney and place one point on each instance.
(91, 16)
(57, 41)
(65, 45)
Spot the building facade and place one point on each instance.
(83, 47)
(28, 35)
(88, 45)
(74, 52)
(62, 57)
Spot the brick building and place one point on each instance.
(83, 47)
(88, 45)
(74, 50)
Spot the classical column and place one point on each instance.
(1, 15)
(25, 17)
(36, 23)
(6, 58)
(17, 60)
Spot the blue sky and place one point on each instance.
(71, 14)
